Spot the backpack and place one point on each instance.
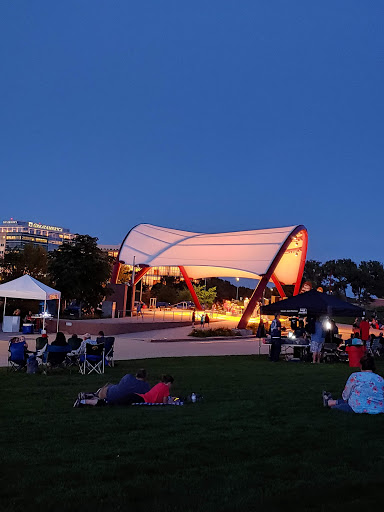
(32, 364)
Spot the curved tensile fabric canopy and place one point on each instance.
(236, 254)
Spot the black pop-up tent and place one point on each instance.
(313, 303)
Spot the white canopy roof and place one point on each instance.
(237, 254)
(26, 287)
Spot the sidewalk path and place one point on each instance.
(139, 345)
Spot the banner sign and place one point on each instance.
(44, 226)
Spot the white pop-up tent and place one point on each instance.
(26, 287)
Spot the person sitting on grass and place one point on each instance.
(86, 339)
(74, 342)
(381, 343)
(356, 340)
(363, 392)
(60, 340)
(16, 345)
(22, 339)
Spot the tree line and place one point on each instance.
(77, 268)
(81, 271)
(365, 280)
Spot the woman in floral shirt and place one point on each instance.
(363, 392)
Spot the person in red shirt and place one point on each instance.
(157, 395)
(364, 329)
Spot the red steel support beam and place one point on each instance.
(141, 273)
(190, 288)
(115, 271)
(302, 262)
(277, 283)
(259, 290)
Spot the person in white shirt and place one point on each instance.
(86, 339)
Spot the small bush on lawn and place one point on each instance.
(253, 327)
(208, 333)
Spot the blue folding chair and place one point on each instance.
(109, 342)
(18, 358)
(54, 356)
(93, 359)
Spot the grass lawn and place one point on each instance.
(261, 440)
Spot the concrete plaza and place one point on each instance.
(171, 342)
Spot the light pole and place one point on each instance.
(237, 288)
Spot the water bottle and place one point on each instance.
(193, 398)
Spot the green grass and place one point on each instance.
(261, 440)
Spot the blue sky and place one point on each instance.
(204, 116)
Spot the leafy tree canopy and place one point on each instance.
(206, 297)
(32, 260)
(80, 270)
(366, 279)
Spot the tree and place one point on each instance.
(184, 295)
(125, 275)
(164, 293)
(206, 297)
(376, 272)
(368, 280)
(80, 270)
(225, 290)
(30, 260)
(314, 273)
(338, 274)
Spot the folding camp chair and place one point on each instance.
(93, 359)
(74, 343)
(109, 346)
(17, 359)
(375, 348)
(329, 353)
(41, 345)
(109, 342)
(55, 356)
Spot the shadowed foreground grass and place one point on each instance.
(261, 440)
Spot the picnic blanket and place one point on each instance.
(153, 403)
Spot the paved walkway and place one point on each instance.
(167, 344)
(173, 342)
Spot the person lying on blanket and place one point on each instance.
(158, 394)
(115, 394)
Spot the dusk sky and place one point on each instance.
(204, 116)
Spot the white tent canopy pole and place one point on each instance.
(58, 317)
(45, 309)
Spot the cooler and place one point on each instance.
(27, 328)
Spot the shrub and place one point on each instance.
(209, 333)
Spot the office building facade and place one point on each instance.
(154, 276)
(16, 234)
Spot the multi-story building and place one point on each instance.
(18, 233)
(3, 240)
(154, 275)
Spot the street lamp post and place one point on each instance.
(237, 288)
